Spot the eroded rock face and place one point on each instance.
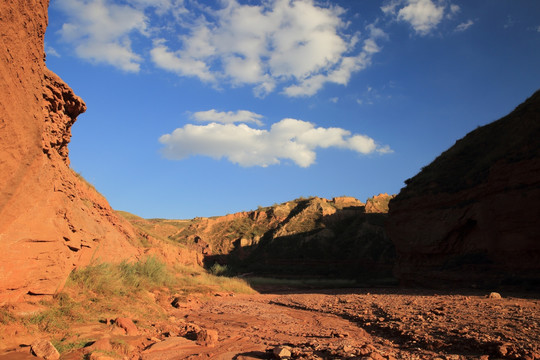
(378, 203)
(60, 110)
(472, 217)
(51, 221)
(313, 236)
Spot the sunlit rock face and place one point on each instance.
(51, 221)
(472, 216)
(307, 237)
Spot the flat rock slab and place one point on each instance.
(170, 348)
(170, 343)
(16, 355)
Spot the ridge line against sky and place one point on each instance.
(296, 97)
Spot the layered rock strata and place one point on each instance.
(51, 221)
(472, 217)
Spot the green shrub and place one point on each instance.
(219, 270)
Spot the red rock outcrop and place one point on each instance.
(312, 236)
(472, 217)
(378, 203)
(50, 219)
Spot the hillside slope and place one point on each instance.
(471, 217)
(312, 237)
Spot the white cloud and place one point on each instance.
(288, 139)
(297, 46)
(390, 7)
(334, 100)
(422, 15)
(538, 29)
(464, 26)
(291, 42)
(167, 60)
(454, 9)
(100, 31)
(50, 51)
(229, 117)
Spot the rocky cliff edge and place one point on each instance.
(471, 217)
(51, 221)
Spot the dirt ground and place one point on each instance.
(328, 324)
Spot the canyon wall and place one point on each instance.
(341, 237)
(472, 216)
(51, 220)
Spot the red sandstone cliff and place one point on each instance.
(314, 236)
(50, 220)
(472, 217)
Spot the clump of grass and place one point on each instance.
(123, 278)
(106, 289)
(58, 317)
(219, 270)
(64, 346)
(197, 280)
(234, 285)
(6, 316)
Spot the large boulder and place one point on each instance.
(472, 216)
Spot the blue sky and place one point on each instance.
(209, 108)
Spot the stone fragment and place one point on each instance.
(495, 295)
(207, 337)
(128, 325)
(102, 344)
(502, 350)
(282, 352)
(45, 350)
(376, 356)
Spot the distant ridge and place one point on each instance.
(310, 237)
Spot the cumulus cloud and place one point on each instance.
(296, 46)
(291, 42)
(229, 117)
(100, 31)
(422, 15)
(288, 139)
(167, 60)
(464, 26)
